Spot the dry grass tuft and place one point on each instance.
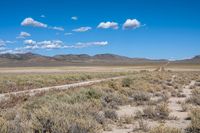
(195, 121)
(163, 129)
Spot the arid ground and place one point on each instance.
(132, 99)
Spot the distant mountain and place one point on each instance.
(194, 60)
(25, 56)
(196, 57)
(71, 57)
(31, 59)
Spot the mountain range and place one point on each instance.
(31, 59)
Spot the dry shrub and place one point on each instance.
(3, 125)
(13, 100)
(126, 82)
(142, 126)
(163, 129)
(161, 111)
(126, 119)
(140, 97)
(111, 114)
(17, 82)
(197, 83)
(195, 121)
(113, 85)
(113, 100)
(194, 98)
(184, 106)
(150, 112)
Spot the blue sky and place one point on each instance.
(157, 29)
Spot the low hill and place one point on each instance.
(31, 59)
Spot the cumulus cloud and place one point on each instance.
(23, 35)
(32, 22)
(30, 42)
(57, 28)
(43, 44)
(87, 44)
(31, 47)
(55, 44)
(131, 24)
(50, 44)
(82, 29)
(2, 48)
(4, 42)
(74, 18)
(12, 51)
(107, 25)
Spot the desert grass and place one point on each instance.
(93, 108)
(164, 129)
(195, 121)
(18, 82)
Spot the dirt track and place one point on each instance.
(33, 92)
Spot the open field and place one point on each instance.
(75, 69)
(97, 69)
(142, 101)
(13, 82)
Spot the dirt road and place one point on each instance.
(33, 92)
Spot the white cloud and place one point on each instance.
(30, 42)
(74, 18)
(82, 29)
(3, 43)
(57, 28)
(13, 51)
(87, 44)
(43, 44)
(55, 44)
(23, 35)
(67, 34)
(2, 48)
(50, 44)
(131, 24)
(32, 22)
(106, 25)
(31, 47)
(10, 42)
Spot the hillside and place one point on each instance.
(31, 59)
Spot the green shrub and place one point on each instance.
(126, 82)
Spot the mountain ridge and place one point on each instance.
(32, 59)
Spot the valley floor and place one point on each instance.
(136, 102)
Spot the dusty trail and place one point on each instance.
(33, 92)
(176, 110)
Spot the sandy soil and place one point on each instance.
(90, 69)
(175, 108)
(74, 69)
